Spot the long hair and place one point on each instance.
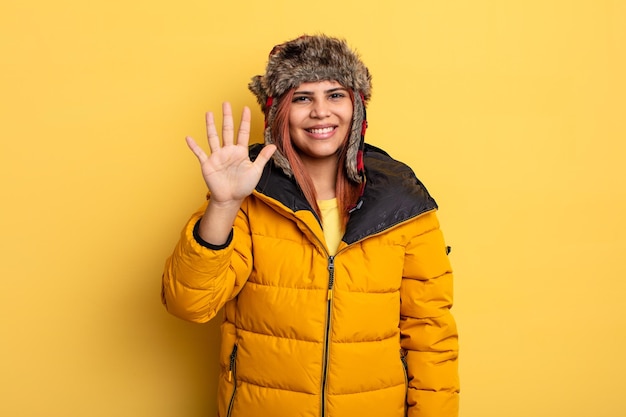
(346, 191)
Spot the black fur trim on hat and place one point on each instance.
(311, 59)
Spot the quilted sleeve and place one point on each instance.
(428, 330)
(198, 281)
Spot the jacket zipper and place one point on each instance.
(329, 302)
(405, 369)
(232, 376)
(331, 282)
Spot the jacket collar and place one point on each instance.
(392, 195)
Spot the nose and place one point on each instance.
(320, 109)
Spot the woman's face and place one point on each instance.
(319, 119)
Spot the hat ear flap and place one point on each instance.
(257, 88)
(356, 141)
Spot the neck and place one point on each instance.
(324, 176)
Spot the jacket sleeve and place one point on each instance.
(198, 280)
(428, 331)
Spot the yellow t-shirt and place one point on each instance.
(331, 224)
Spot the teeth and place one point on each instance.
(324, 130)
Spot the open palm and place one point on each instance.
(228, 171)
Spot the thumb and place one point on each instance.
(265, 155)
(196, 149)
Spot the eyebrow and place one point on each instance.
(310, 93)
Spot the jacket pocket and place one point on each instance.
(232, 377)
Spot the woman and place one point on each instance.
(324, 252)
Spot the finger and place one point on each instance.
(243, 135)
(211, 131)
(197, 150)
(264, 156)
(228, 129)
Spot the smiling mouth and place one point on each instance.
(321, 131)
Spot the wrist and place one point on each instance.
(217, 222)
(224, 205)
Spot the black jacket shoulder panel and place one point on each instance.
(392, 195)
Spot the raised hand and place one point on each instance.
(228, 171)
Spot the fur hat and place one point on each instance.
(311, 59)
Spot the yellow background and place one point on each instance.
(512, 113)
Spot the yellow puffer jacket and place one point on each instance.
(367, 332)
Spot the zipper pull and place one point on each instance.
(331, 273)
(232, 363)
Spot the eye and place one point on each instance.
(337, 96)
(300, 99)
